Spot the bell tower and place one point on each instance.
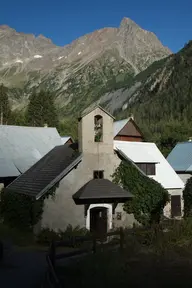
(95, 131)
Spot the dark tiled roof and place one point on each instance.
(97, 190)
(47, 172)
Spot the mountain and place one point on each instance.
(160, 98)
(78, 73)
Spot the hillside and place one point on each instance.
(78, 73)
(160, 99)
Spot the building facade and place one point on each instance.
(99, 160)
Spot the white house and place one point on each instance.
(151, 161)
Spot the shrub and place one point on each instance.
(47, 235)
(187, 197)
(149, 196)
(22, 211)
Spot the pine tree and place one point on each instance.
(41, 110)
(5, 111)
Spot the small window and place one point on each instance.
(147, 168)
(99, 174)
(150, 169)
(98, 122)
(175, 205)
(119, 216)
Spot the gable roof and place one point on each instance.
(118, 126)
(64, 139)
(145, 151)
(180, 158)
(21, 147)
(98, 190)
(92, 108)
(138, 154)
(47, 172)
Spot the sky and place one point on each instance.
(64, 21)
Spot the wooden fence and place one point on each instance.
(52, 256)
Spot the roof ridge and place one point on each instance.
(34, 127)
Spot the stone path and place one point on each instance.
(23, 268)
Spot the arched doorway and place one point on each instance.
(98, 221)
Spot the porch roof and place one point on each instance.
(99, 191)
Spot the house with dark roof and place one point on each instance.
(127, 130)
(180, 158)
(85, 195)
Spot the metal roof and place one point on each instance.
(21, 147)
(47, 172)
(97, 190)
(118, 126)
(148, 152)
(64, 139)
(137, 153)
(180, 157)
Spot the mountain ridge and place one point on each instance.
(77, 72)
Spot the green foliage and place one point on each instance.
(165, 112)
(148, 255)
(187, 197)
(41, 110)
(47, 235)
(68, 127)
(5, 110)
(21, 211)
(149, 196)
(17, 118)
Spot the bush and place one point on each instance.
(47, 235)
(149, 196)
(187, 197)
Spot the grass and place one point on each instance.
(151, 258)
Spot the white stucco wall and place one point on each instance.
(61, 211)
(167, 209)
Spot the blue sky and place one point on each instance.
(64, 21)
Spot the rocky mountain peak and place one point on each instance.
(127, 22)
(87, 64)
(5, 27)
(45, 39)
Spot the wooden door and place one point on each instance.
(98, 222)
(175, 205)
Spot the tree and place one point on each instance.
(149, 196)
(17, 118)
(69, 127)
(41, 110)
(5, 110)
(187, 197)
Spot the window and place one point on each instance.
(98, 174)
(175, 205)
(119, 216)
(98, 127)
(147, 168)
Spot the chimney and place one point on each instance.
(45, 125)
